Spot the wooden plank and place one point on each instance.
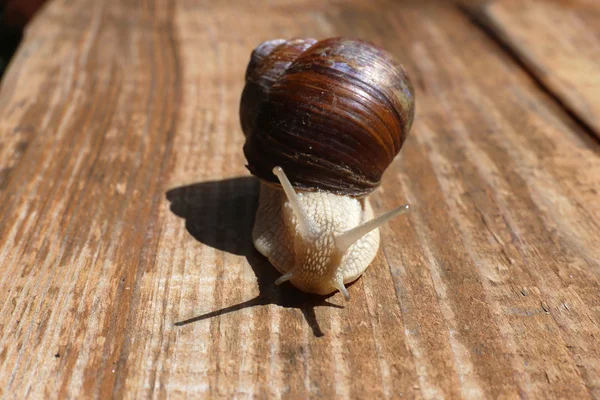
(125, 256)
(559, 41)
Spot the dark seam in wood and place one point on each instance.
(479, 19)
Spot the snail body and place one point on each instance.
(324, 119)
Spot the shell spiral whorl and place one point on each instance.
(332, 113)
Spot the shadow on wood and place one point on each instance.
(220, 214)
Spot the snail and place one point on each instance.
(322, 120)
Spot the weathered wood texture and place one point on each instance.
(559, 41)
(125, 256)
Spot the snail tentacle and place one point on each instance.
(339, 285)
(284, 278)
(344, 240)
(307, 230)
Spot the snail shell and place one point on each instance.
(332, 114)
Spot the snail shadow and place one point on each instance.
(220, 214)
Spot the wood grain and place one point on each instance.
(559, 41)
(126, 264)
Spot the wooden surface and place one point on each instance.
(126, 263)
(559, 42)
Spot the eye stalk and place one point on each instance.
(345, 240)
(307, 230)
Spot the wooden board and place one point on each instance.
(559, 41)
(126, 263)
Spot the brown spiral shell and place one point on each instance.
(332, 113)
